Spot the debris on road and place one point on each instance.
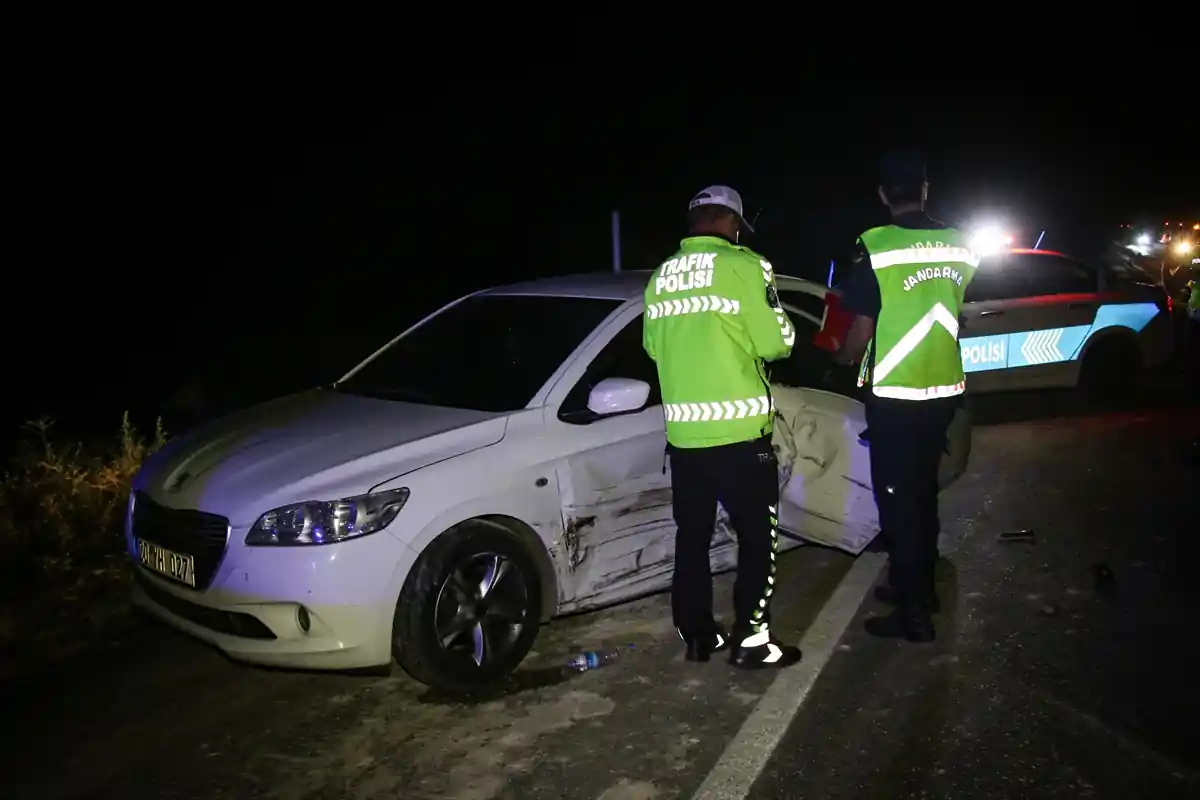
(594, 659)
(1023, 535)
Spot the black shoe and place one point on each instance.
(700, 646)
(887, 595)
(913, 627)
(772, 654)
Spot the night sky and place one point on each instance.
(256, 213)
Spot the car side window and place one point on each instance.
(1054, 275)
(996, 280)
(622, 357)
(803, 301)
(807, 362)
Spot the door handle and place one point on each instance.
(990, 313)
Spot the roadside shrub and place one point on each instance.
(61, 505)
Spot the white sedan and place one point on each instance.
(498, 464)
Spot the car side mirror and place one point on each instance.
(618, 396)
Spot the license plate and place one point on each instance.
(175, 566)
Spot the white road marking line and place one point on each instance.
(744, 758)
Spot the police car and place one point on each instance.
(1035, 319)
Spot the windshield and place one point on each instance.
(488, 352)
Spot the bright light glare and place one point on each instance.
(1183, 248)
(1144, 239)
(990, 239)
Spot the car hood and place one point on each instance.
(316, 445)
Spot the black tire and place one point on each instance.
(430, 607)
(1112, 369)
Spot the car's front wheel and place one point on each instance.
(469, 611)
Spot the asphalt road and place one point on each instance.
(1040, 684)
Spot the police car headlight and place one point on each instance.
(327, 522)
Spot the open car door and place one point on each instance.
(824, 456)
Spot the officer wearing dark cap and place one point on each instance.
(906, 293)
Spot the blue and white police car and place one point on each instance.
(1037, 319)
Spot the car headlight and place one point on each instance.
(326, 523)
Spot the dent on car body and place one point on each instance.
(618, 532)
(824, 469)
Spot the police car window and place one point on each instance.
(1054, 275)
(488, 352)
(623, 357)
(995, 280)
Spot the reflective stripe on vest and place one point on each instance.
(938, 315)
(693, 305)
(945, 261)
(924, 255)
(717, 411)
(785, 327)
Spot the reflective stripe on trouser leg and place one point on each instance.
(761, 635)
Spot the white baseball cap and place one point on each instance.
(722, 196)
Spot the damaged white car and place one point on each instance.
(498, 464)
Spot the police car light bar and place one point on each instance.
(990, 239)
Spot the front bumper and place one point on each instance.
(257, 604)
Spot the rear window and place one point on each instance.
(488, 352)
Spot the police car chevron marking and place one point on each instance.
(1041, 347)
(1050, 345)
(715, 412)
(693, 305)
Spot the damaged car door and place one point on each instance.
(614, 480)
(824, 454)
(825, 469)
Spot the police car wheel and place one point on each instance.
(1112, 369)
(469, 610)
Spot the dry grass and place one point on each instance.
(61, 523)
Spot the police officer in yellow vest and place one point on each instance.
(719, 419)
(906, 291)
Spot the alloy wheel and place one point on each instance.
(482, 607)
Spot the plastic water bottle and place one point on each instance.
(592, 659)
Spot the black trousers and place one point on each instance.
(1191, 358)
(744, 478)
(908, 438)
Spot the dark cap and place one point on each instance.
(902, 168)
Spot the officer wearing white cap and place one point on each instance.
(719, 414)
(728, 198)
